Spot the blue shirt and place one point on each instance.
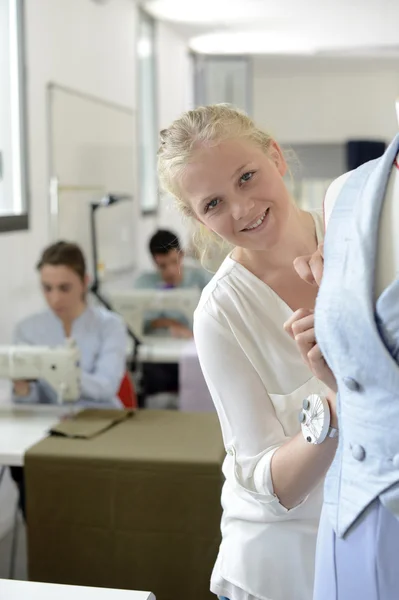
(192, 278)
(101, 338)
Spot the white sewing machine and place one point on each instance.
(58, 366)
(133, 305)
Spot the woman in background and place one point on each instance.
(227, 175)
(99, 334)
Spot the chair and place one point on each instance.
(127, 393)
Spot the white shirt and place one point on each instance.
(258, 382)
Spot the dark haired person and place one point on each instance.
(170, 273)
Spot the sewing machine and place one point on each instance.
(133, 305)
(58, 366)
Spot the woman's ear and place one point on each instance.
(277, 157)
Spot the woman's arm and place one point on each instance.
(298, 465)
(278, 470)
(102, 384)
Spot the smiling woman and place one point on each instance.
(227, 176)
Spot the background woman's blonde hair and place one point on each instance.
(206, 125)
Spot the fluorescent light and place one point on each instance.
(208, 11)
(144, 48)
(15, 96)
(250, 42)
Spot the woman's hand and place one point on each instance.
(310, 267)
(301, 328)
(21, 388)
(180, 331)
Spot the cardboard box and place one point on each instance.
(135, 507)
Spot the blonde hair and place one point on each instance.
(206, 125)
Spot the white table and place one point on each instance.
(26, 590)
(154, 349)
(21, 427)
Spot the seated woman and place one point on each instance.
(99, 334)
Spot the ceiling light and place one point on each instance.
(255, 42)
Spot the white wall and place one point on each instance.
(305, 100)
(174, 82)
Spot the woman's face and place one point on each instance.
(63, 290)
(237, 191)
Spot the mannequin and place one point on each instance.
(357, 330)
(388, 242)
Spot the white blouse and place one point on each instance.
(258, 382)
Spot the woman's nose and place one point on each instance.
(241, 207)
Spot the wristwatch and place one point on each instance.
(314, 418)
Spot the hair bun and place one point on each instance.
(163, 136)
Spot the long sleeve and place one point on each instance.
(251, 430)
(102, 383)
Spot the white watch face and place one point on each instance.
(315, 418)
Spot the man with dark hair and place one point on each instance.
(168, 256)
(171, 272)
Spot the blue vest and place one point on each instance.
(360, 341)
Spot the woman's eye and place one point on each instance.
(246, 177)
(212, 204)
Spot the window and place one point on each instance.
(147, 115)
(223, 79)
(13, 188)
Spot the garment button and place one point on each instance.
(395, 461)
(358, 452)
(351, 384)
(230, 451)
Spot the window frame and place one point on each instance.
(20, 221)
(144, 17)
(199, 62)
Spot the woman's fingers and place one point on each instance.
(310, 267)
(302, 267)
(298, 315)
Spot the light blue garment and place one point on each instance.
(192, 278)
(359, 339)
(364, 564)
(101, 338)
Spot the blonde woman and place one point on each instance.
(227, 175)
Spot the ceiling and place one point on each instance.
(287, 27)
